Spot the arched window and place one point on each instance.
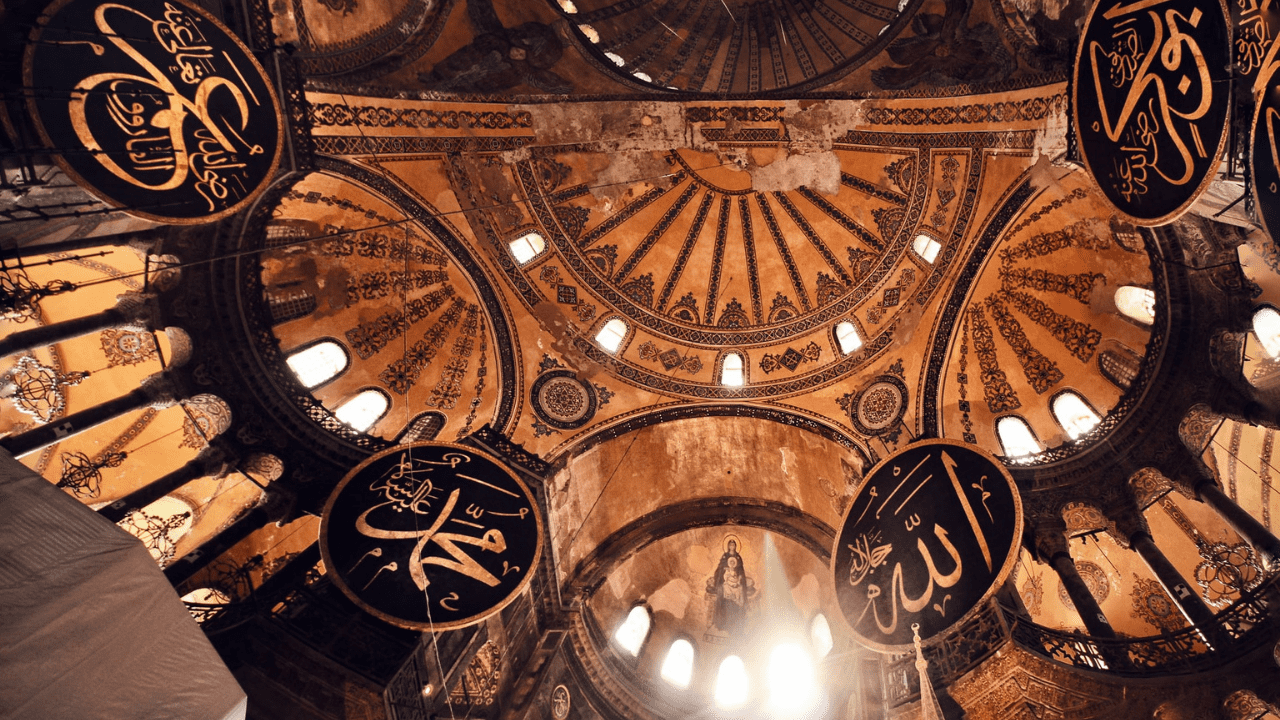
(568, 6)
(1074, 414)
(642, 76)
(731, 370)
(1016, 437)
(591, 33)
(318, 363)
(926, 247)
(1266, 325)
(820, 635)
(793, 689)
(291, 306)
(732, 685)
(677, 668)
(612, 334)
(616, 58)
(423, 427)
(527, 247)
(1120, 366)
(1137, 303)
(632, 632)
(363, 410)
(848, 338)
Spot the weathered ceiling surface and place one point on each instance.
(736, 47)
(708, 47)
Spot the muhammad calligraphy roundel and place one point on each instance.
(1150, 99)
(153, 106)
(431, 536)
(930, 535)
(1264, 151)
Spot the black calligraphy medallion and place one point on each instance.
(153, 106)
(1150, 102)
(930, 534)
(1264, 150)
(431, 535)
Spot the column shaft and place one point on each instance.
(184, 567)
(1090, 612)
(37, 337)
(1194, 609)
(154, 490)
(76, 423)
(1246, 525)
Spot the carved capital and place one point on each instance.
(1050, 542)
(1126, 525)
(1149, 485)
(1244, 705)
(217, 459)
(179, 346)
(161, 391)
(1226, 353)
(140, 309)
(1083, 519)
(263, 467)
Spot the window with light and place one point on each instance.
(677, 667)
(527, 247)
(1137, 303)
(319, 363)
(611, 335)
(732, 686)
(1266, 326)
(731, 370)
(1016, 438)
(1074, 415)
(848, 338)
(631, 634)
(363, 410)
(820, 635)
(926, 247)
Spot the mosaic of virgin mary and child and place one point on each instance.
(730, 594)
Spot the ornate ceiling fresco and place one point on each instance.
(727, 179)
(410, 318)
(1029, 331)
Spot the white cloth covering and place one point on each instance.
(89, 625)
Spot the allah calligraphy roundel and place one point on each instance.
(931, 533)
(153, 106)
(431, 535)
(1150, 99)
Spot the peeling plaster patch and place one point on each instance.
(788, 459)
(629, 168)
(621, 122)
(674, 598)
(818, 124)
(819, 171)
(620, 581)
(700, 560)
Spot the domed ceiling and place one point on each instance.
(1030, 328)
(411, 319)
(737, 46)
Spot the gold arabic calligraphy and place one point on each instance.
(152, 111)
(868, 554)
(1143, 118)
(409, 486)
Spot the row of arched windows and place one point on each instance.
(732, 683)
(1074, 414)
(318, 363)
